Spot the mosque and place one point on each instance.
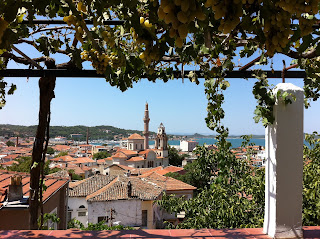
(138, 154)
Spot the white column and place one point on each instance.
(284, 167)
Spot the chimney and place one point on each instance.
(15, 189)
(17, 142)
(129, 189)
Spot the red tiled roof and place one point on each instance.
(52, 183)
(120, 155)
(9, 163)
(135, 136)
(127, 151)
(88, 186)
(170, 184)
(61, 147)
(65, 158)
(118, 189)
(83, 160)
(135, 159)
(150, 170)
(122, 166)
(169, 169)
(11, 156)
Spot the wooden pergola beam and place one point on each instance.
(66, 73)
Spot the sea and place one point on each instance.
(235, 142)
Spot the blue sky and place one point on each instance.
(181, 107)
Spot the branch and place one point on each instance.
(296, 55)
(22, 60)
(32, 62)
(68, 65)
(50, 29)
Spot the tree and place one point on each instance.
(101, 155)
(61, 154)
(154, 40)
(9, 143)
(24, 165)
(311, 175)
(174, 157)
(74, 176)
(50, 150)
(230, 193)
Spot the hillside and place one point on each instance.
(96, 132)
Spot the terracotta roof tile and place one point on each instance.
(84, 160)
(169, 169)
(88, 186)
(120, 155)
(135, 159)
(168, 183)
(65, 158)
(135, 136)
(118, 189)
(53, 183)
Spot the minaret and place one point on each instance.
(146, 120)
(87, 135)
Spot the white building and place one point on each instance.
(128, 200)
(188, 146)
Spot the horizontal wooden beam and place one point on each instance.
(55, 22)
(93, 74)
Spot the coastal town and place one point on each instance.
(89, 183)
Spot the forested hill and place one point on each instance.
(96, 132)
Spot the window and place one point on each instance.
(82, 214)
(144, 218)
(102, 219)
(69, 216)
(82, 206)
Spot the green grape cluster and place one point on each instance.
(229, 11)
(277, 30)
(108, 37)
(3, 26)
(100, 61)
(177, 14)
(300, 8)
(78, 26)
(151, 54)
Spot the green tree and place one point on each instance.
(50, 150)
(174, 157)
(101, 155)
(311, 180)
(74, 176)
(231, 193)
(10, 143)
(62, 153)
(24, 165)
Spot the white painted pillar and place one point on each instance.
(284, 167)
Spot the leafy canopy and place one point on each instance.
(158, 37)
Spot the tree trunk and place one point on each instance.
(46, 86)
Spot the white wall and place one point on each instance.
(188, 146)
(128, 212)
(74, 203)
